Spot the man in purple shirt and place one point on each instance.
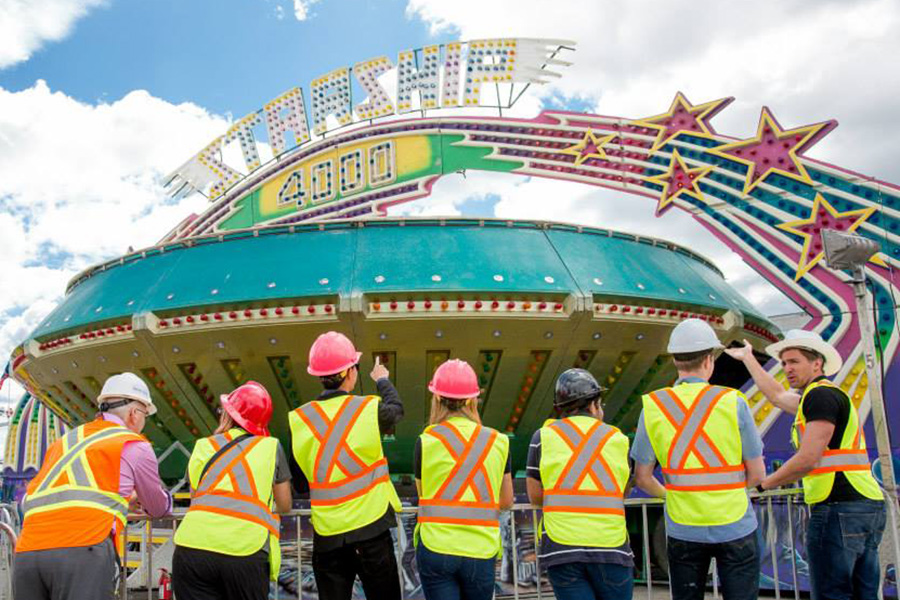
(69, 567)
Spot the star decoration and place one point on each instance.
(679, 179)
(683, 117)
(590, 146)
(774, 149)
(823, 216)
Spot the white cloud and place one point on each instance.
(81, 183)
(25, 25)
(808, 61)
(302, 8)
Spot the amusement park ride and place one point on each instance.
(300, 244)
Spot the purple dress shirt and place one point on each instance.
(139, 472)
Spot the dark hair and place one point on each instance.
(571, 408)
(810, 355)
(690, 361)
(333, 382)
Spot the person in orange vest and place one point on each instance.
(76, 506)
(710, 451)
(577, 472)
(846, 505)
(463, 476)
(227, 546)
(336, 441)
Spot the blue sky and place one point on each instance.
(132, 88)
(229, 57)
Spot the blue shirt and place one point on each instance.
(751, 447)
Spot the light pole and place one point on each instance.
(844, 251)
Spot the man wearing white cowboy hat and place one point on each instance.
(76, 506)
(847, 512)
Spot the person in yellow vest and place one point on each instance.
(463, 476)
(76, 506)
(847, 510)
(577, 472)
(227, 545)
(710, 451)
(336, 441)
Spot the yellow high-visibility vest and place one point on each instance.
(462, 472)
(337, 444)
(231, 508)
(584, 471)
(851, 458)
(694, 430)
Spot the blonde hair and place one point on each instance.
(225, 423)
(444, 408)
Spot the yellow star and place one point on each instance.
(679, 179)
(774, 150)
(823, 216)
(589, 147)
(683, 117)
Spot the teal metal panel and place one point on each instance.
(466, 258)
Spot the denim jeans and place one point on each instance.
(842, 546)
(737, 563)
(587, 581)
(450, 577)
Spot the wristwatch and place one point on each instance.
(760, 489)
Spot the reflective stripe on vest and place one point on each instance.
(716, 473)
(242, 502)
(586, 461)
(82, 489)
(832, 461)
(447, 505)
(334, 452)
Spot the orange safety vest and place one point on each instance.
(74, 500)
(690, 438)
(569, 495)
(242, 501)
(335, 452)
(447, 505)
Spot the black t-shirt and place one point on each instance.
(827, 403)
(417, 460)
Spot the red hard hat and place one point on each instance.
(331, 353)
(455, 379)
(250, 406)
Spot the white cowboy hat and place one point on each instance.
(808, 340)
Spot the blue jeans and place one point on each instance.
(737, 563)
(450, 577)
(842, 546)
(586, 581)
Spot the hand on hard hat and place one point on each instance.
(379, 371)
(740, 353)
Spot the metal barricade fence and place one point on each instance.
(782, 524)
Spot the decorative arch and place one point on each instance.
(761, 196)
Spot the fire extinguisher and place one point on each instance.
(165, 585)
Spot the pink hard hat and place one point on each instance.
(455, 379)
(331, 353)
(250, 406)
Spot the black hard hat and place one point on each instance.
(574, 385)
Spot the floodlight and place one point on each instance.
(846, 250)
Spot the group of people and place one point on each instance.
(578, 472)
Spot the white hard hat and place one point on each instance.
(692, 335)
(126, 386)
(808, 340)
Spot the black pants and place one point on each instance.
(203, 575)
(372, 560)
(737, 563)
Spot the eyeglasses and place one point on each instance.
(146, 413)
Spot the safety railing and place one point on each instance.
(782, 517)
